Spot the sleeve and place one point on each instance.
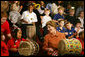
(55, 18)
(9, 44)
(77, 11)
(23, 15)
(35, 18)
(47, 6)
(24, 39)
(5, 51)
(45, 44)
(63, 36)
(7, 28)
(40, 11)
(57, 29)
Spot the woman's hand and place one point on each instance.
(50, 49)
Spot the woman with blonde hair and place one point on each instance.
(52, 39)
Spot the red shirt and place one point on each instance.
(4, 49)
(12, 42)
(5, 27)
(82, 42)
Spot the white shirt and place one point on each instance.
(29, 17)
(45, 19)
(14, 16)
(82, 21)
(79, 30)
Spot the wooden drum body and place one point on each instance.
(69, 46)
(28, 48)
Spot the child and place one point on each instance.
(4, 48)
(59, 15)
(71, 18)
(81, 18)
(70, 30)
(81, 39)
(13, 44)
(78, 28)
(44, 20)
(68, 8)
(5, 26)
(61, 27)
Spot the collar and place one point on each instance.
(57, 33)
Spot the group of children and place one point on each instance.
(71, 26)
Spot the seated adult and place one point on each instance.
(52, 39)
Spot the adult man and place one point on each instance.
(28, 19)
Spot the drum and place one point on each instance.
(69, 46)
(28, 48)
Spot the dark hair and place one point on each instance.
(78, 21)
(67, 23)
(4, 14)
(15, 33)
(30, 4)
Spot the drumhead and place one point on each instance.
(25, 48)
(69, 46)
(28, 48)
(61, 47)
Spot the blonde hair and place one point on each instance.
(51, 23)
(46, 10)
(62, 8)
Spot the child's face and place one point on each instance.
(68, 26)
(61, 23)
(69, 6)
(3, 19)
(47, 12)
(82, 14)
(61, 11)
(42, 3)
(78, 24)
(30, 8)
(72, 13)
(16, 1)
(19, 34)
(2, 37)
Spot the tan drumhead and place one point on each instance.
(25, 48)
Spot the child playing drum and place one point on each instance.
(13, 43)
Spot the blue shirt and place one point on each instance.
(58, 16)
(62, 31)
(70, 32)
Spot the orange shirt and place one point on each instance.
(52, 41)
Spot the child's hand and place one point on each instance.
(66, 33)
(27, 39)
(21, 7)
(75, 34)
